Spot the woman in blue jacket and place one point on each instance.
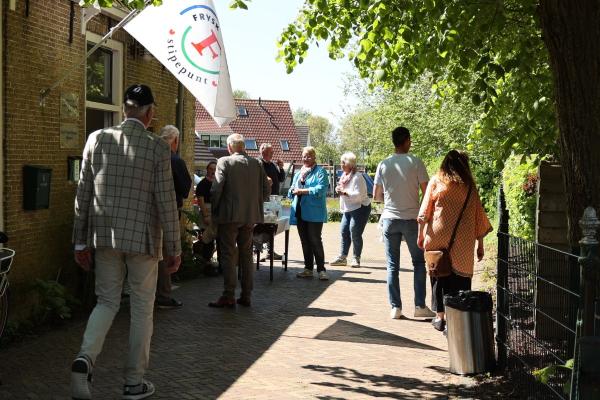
(309, 211)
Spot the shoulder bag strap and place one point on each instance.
(459, 218)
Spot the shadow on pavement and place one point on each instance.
(386, 385)
(361, 280)
(196, 350)
(321, 312)
(346, 331)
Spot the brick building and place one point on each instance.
(41, 40)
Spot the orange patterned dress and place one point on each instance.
(440, 210)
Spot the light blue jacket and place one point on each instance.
(313, 206)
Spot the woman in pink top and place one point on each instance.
(440, 210)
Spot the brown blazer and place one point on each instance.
(239, 190)
(125, 197)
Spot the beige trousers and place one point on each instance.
(110, 273)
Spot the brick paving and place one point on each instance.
(301, 339)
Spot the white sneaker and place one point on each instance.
(138, 392)
(340, 261)
(424, 312)
(306, 273)
(355, 262)
(396, 313)
(81, 378)
(323, 276)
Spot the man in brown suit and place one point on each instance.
(237, 195)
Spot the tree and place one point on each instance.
(322, 138)
(240, 94)
(301, 116)
(535, 63)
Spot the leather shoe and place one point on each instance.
(244, 302)
(223, 302)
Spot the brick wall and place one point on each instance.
(37, 53)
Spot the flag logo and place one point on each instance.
(194, 46)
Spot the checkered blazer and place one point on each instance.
(125, 197)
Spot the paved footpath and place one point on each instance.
(301, 339)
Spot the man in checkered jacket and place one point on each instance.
(125, 208)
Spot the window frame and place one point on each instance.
(287, 142)
(117, 77)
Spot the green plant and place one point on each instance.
(545, 374)
(334, 215)
(519, 180)
(54, 301)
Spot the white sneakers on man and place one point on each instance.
(424, 312)
(355, 263)
(396, 313)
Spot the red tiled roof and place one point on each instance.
(302, 134)
(267, 124)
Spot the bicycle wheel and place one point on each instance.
(3, 311)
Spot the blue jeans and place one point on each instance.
(352, 228)
(393, 231)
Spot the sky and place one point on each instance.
(250, 38)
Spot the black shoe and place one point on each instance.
(223, 302)
(168, 303)
(439, 324)
(244, 302)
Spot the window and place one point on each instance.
(104, 84)
(251, 144)
(242, 111)
(214, 140)
(205, 140)
(285, 145)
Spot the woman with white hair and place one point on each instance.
(355, 206)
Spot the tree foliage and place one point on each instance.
(240, 94)
(435, 130)
(323, 139)
(488, 51)
(129, 4)
(301, 116)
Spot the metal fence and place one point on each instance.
(538, 298)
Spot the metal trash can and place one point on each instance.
(470, 332)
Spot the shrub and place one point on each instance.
(520, 189)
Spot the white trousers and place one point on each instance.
(110, 267)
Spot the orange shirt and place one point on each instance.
(440, 210)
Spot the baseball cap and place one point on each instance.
(138, 96)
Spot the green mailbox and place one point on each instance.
(36, 187)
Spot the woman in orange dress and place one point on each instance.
(440, 210)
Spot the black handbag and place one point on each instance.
(439, 262)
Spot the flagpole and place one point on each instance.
(45, 92)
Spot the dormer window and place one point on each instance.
(251, 144)
(242, 111)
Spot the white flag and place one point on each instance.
(185, 36)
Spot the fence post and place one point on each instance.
(590, 267)
(586, 368)
(502, 280)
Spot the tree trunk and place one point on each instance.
(571, 32)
